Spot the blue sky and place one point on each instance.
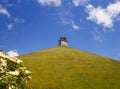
(90, 25)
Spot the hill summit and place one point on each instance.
(68, 68)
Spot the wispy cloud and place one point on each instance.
(13, 53)
(4, 11)
(7, 1)
(17, 20)
(104, 16)
(98, 36)
(50, 2)
(101, 16)
(79, 2)
(65, 16)
(9, 26)
(75, 27)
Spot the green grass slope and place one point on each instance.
(68, 68)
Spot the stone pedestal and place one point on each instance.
(63, 41)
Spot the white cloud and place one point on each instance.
(114, 9)
(19, 20)
(104, 16)
(79, 2)
(16, 21)
(50, 2)
(13, 53)
(97, 36)
(7, 1)
(76, 27)
(9, 26)
(100, 16)
(4, 11)
(65, 16)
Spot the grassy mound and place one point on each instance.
(68, 68)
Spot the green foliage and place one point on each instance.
(68, 68)
(13, 74)
(12, 67)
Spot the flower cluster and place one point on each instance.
(13, 74)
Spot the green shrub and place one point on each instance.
(13, 74)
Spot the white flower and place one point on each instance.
(19, 61)
(3, 62)
(22, 68)
(5, 71)
(16, 72)
(11, 87)
(2, 70)
(29, 77)
(0, 78)
(1, 53)
(12, 59)
(16, 60)
(27, 72)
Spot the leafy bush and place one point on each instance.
(13, 74)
